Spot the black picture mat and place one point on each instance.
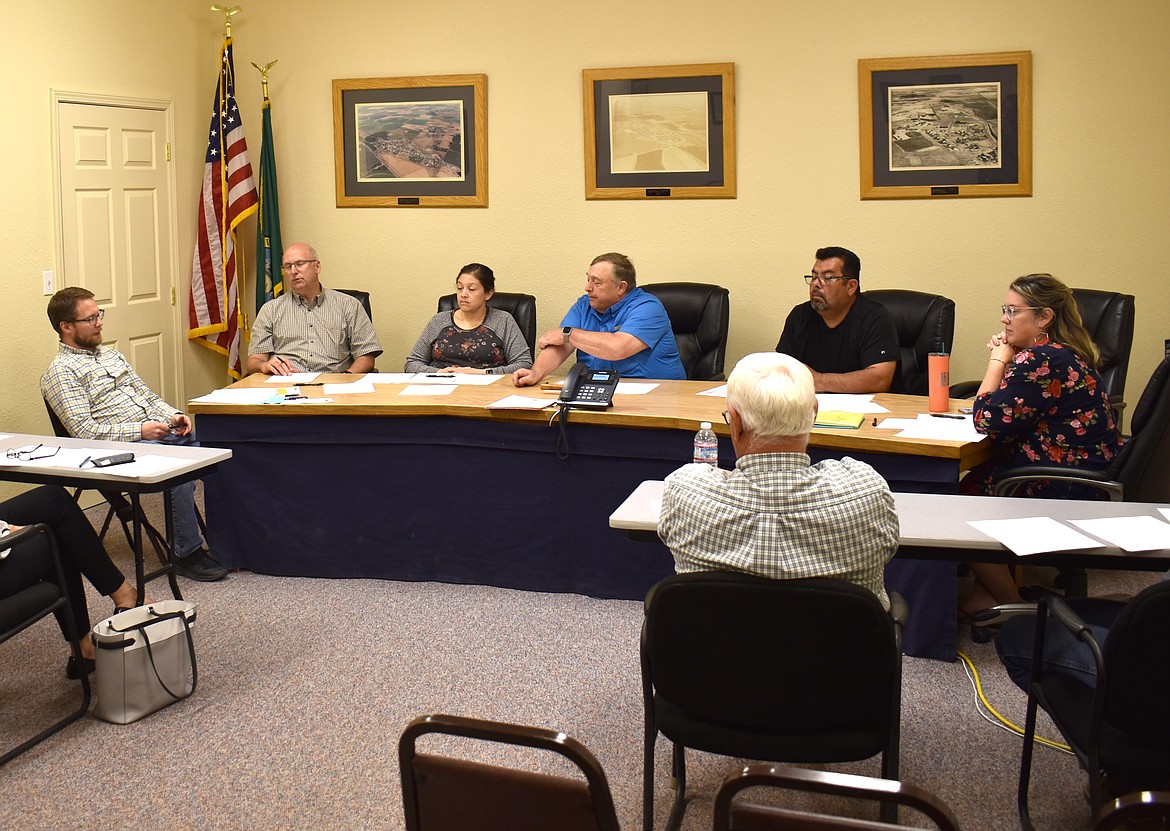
(352, 97)
(711, 84)
(1007, 174)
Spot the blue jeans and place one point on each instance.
(188, 540)
(1063, 653)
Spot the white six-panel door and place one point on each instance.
(116, 229)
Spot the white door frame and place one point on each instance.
(168, 109)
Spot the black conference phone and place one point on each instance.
(589, 388)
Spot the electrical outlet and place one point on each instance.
(49, 282)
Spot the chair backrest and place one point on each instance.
(731, 815)
(1143, 466)
(58, 427)
(363, 297)
(746, 666)
(699, 314)
(442, 793)
(925, 324)
(522, 307)
(1108, 318)
(1136, 684)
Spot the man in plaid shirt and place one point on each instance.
(97, 395)
(776, 514)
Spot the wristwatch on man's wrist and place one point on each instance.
(568, 330)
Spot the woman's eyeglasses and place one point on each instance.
(1010, 311)
(31, 454)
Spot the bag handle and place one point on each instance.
(190, 651)
(181, 613)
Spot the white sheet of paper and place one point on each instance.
(294, 378)
(428, 389)
(389, 377)
(1034, 535)
(5, 435)
(360, 386)
(242, 395)
(520, 402)
(848, 403)
(1165, 512)
(1131, 533)
(633, 388)
(458, 378)
(896, 423)
(718, 392)
(308, 401)
(927, 426)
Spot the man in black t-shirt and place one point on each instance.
(846, 340)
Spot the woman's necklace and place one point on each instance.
(462, 321)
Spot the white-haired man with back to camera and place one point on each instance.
(777, 515)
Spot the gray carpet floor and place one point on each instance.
(305, 686)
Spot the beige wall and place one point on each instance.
(1098, 217)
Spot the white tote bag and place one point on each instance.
(145, 660)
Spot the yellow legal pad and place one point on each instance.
(838, 418)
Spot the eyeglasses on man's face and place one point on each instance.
(1010, 311)
(297, 265)
(92, 319)
(823, 279)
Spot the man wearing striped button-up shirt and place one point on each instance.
(776, 514)
(311, 328)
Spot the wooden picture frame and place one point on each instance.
(946, 126)
(630, 107)
(413, 141)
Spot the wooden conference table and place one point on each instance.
(439, 487)
(185, 464)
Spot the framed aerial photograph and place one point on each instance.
(946, 126)
(660, 132)
(417, 141)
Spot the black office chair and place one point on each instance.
(925, 324)
(1140, 807)
(1108, 318)
(362, 297)
(30, 603)
(699, 314)
(1120, 730)
(1139, 473)
(442, 793)
(731, 815)
(522, 307)
(782, 670)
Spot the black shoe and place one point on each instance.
(199, 565)
(71, 667)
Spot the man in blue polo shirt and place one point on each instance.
(615, 325)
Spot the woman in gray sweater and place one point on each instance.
(474, 337)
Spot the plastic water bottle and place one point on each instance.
(706, 445)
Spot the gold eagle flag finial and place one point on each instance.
(264, 75)
(228, 12)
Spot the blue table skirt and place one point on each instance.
(479, 501)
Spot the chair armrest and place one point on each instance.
(17, 537)
(964, 389)
(899, 609)
(1011, 480)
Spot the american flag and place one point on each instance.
(228, 196)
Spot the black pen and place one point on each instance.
(946, 415)
(85, 462)
(443, 375)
